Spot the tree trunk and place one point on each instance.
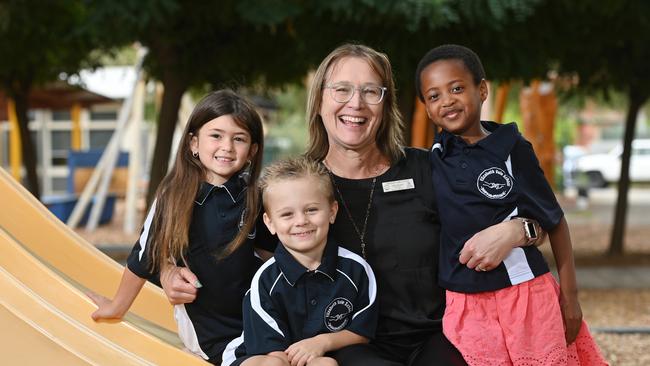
(620, 213)
(174, 87)
(20, 96)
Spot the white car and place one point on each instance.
(602, 169)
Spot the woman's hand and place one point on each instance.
(489, 247)
(180, 284)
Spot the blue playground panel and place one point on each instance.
(89, 159)
(62, 205)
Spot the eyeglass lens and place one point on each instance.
(369, 94)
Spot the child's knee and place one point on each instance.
(275, 361)
(265, 361)
(323, 361)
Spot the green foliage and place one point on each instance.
(40, 40)
(605, 43)
(115, 56)
(289, 123)
(205, 41)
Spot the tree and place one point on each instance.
(194, 43)
(38, 41)
(404, 30)
(606, 45)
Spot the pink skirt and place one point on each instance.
(517, 325)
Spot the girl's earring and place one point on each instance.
(195, 154)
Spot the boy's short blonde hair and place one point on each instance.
(294, 168)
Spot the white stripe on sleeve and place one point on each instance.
(145, 232)
(372, 283)
(256, 304)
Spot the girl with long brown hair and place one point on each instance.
(204, 219)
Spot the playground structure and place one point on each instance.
(45, 268)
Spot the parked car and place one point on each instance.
(601, 169)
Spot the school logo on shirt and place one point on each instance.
(337, 314)
(494, 183)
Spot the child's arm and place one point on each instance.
(130, 286)
(306, 350)
(563, 253)
(489, 247)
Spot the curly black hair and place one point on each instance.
(450, 52)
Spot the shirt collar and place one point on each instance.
(499, 142)
(293, 270)
(234, 187)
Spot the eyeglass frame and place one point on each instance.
(354, 90)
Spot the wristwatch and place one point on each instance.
(530, 231)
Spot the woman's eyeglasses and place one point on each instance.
(370, 94)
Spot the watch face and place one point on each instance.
(531, 232)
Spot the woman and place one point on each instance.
(387, 210)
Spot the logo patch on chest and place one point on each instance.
(337, 314)
(494, 183)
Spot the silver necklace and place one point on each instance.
(360, 233)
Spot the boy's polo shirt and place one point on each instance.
(214, 318)
(287, 303)
(483, 184)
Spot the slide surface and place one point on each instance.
(46, 320)
(32, 225)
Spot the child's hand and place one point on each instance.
(302, 352)
(105, 308)
(572, 315)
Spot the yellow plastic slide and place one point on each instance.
(50, 240)
(46, 320)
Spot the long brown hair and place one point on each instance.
(390, 134)
(176, 194)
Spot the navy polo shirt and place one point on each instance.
(483, 184)
(287, 303)
(215, 318)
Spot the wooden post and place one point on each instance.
(420, 136)
(419, 125)
(15, 146)
(500, 101)
(538, 107)
(75, 132)
(135, 157)
(106, 164)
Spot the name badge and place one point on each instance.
(398, 185)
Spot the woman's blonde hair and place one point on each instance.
(390, 134)
(177, 192)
